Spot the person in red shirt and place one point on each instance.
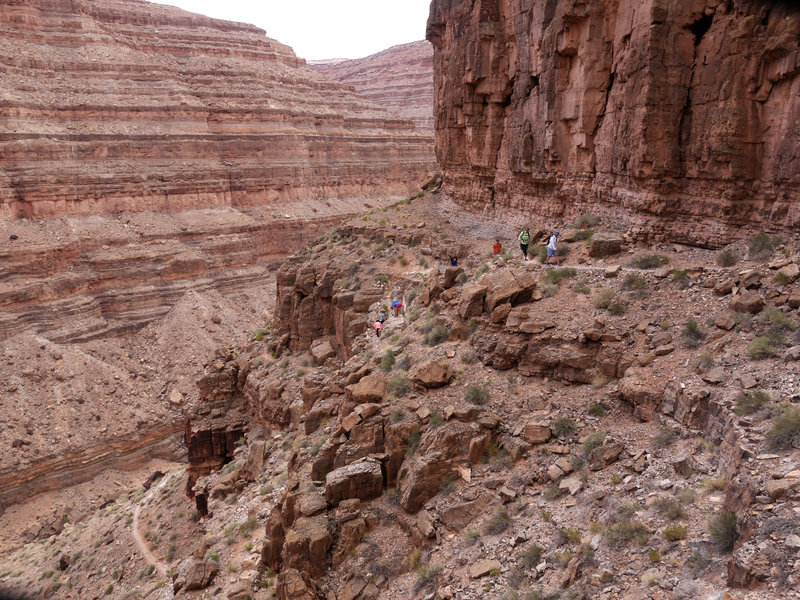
(497, 248)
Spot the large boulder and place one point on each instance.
(513, 286)
(363, 480)
(306, 545)
(790, 272)
(605, 243)
(196, 575)
(322, 350)
(470, 302)
(292, 585)
(450, 277)
(433, 374)
(371, 388)
(749, 302)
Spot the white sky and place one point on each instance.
(318, 29)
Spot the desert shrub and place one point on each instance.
(691, 334)
(399, 384)
(556, 276)
(664, 437)
(531, 556)
(584, 235)
(634, 281)
(778, 320)
(703, 362)
(781, 278)
(710, 484)
(765, 346)
(722, 530)
(498, 522)
(413, 442)
(403, 362)
(462, 278)
(476, 394)
(564, 427)
(785, 430)
(539, 253)
(680, 277)
(686, 496)
(387, 360)
(670, 508)
(569, 535)
(548, 290)
(625, 531)
(751, 402)
(592, 441)
(437, 335)
(471, 537)
(727, 258)
(469, 356)
(552, 491)
(484, 268)
(596, 409)
(617, 308)
(427, 576)
(654, 555)
(697, 563)
(603, 298)
(648, 261)
(581, 287)
(436, 418)
(762, 246)
(585, 220)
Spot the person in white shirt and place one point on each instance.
(552, 248)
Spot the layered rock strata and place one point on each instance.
(116, 106)
(399, 79)
(680, 119)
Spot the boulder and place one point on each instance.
(726, 319)
(792, 354)
(513, 286)
(537, 432)
(612, 271)
(724, 287)
(572, 484)
(470, 302)
(779, 488)
(749, 302)
(605, 243)
(198, 575)
(451, 276)
(484, 567)
(255, 460)
(433, 374)
(791, 272)
(604, 455)
(362, 480)
(322, 350)
(291, 585)
(371, 388)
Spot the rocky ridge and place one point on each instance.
(520, 429)
(400, 79)
(126, 106)
(678, 119)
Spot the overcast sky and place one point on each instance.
(318, 29)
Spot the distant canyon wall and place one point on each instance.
(399, 79)
(680, 119)
(114, 106)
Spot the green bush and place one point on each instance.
(584, 235)
(498, 522)
(538, 252)
(778, 320)
(722, 530)
(785, 430)
(437, 335)
(596, 409)
(564, 427)
(592, 441)
(399, 384)
(691, 334)
(617, 308)
(625, 531)
(531, 556)
(585, 220)
(476, 394)
(634, 281)
(762, 246)
(670, 508)
(484, 268)
(664, 437)
(581, 287)
(387, 360)
(748, 403)
(556, 276)
(414, 439)
(674, 533)
(765, 346)
(603, 298)
(727, 258)
(648, 261)
(469, 356)
(680, 277)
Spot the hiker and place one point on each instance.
(397, 306)
(497, 248)
(378, 326)
(524, 239)
(381, 316)
(453, 261)
(552, 248)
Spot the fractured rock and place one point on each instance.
(362, 480)
(605, 243)
(749, 302)
(433, 374)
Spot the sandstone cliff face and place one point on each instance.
(110, 106)
(400, 79)
(680, 118)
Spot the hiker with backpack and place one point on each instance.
(552, 248)
(524, 239)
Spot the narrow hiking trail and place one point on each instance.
(141, 544)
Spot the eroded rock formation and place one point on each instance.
(679, 118)
(400, 79)
(117, 106)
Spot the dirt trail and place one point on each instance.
(149, 557)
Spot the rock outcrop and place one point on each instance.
(679, 119)
(117, 106)
(399, 79)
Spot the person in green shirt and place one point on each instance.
(524, 239)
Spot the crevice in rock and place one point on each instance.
(700, 27)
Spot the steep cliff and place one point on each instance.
(109, 106)
(680, 119)
(400, 79)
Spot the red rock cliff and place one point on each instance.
(679, 118)
(400, 79)
(116, 105)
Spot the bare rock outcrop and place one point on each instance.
(678, 119)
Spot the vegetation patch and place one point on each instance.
(648, 261)
(722, 530)
(785, 430)
(751, 402)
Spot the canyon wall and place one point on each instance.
(114, 106)
(399, 79)
(679, 119)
